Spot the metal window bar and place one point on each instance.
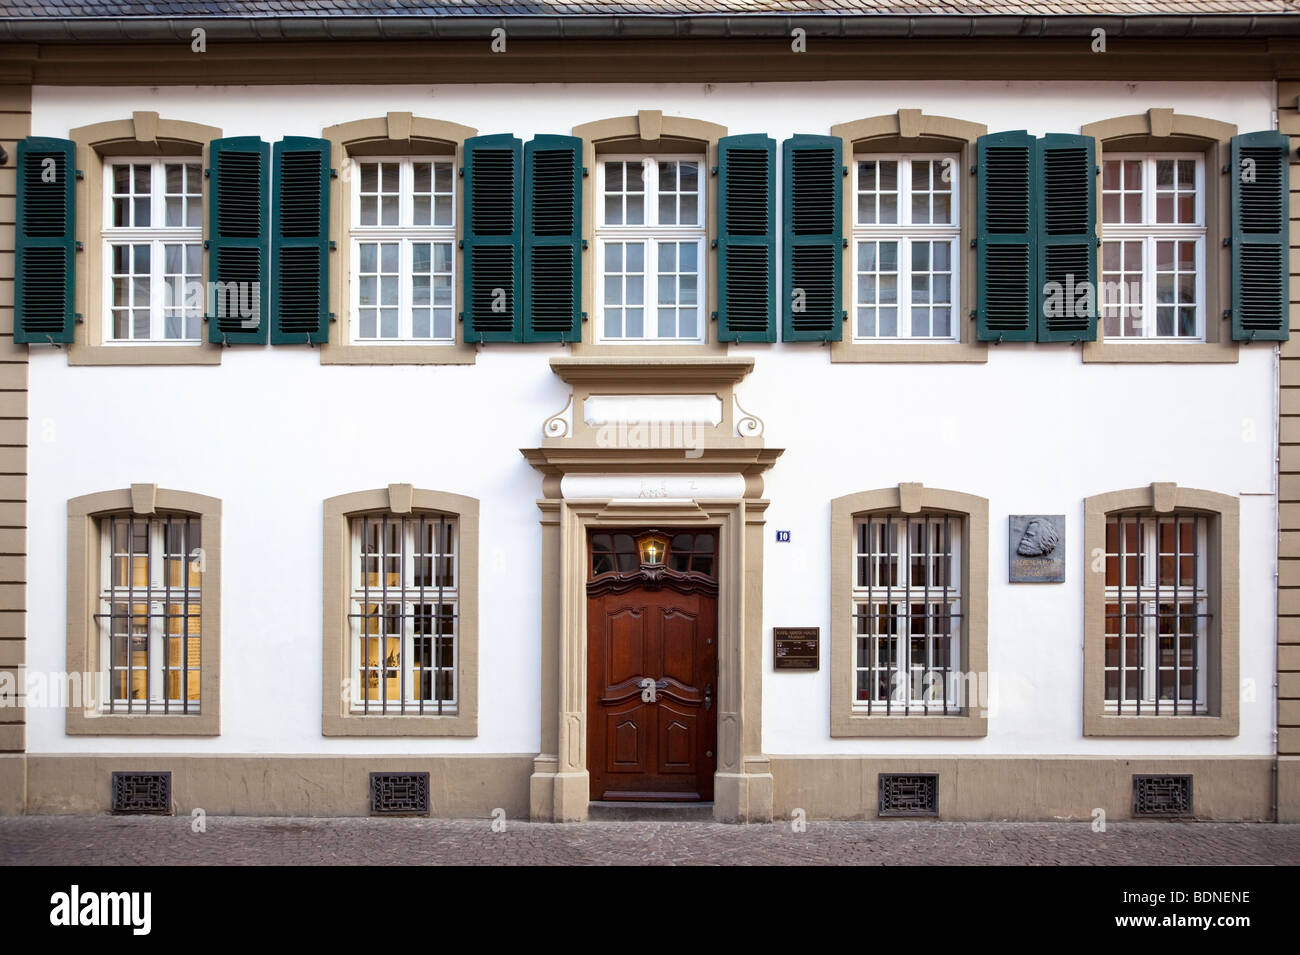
(1147, 622)
(404, 608)
(122, 622)
(885, 632)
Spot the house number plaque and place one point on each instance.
(795, 648)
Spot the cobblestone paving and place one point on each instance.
(73, 840)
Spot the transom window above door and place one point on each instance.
(1153, 254)
(153, 241)
(403, 246)
(906, 229)
(650, 236)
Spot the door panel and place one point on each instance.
(662, 748)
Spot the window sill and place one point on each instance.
(84, 723)
(1104, 725)
(849, 725)
(642, 350)
(1137, 352)
(196, 354)
(334, 724)
(403, 354)
(909, 351)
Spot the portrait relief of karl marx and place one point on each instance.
(1038, 540)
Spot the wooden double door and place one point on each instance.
(652, 680)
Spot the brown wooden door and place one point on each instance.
(639, 749)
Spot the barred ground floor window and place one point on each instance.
(1157, 613)
(907, 610)
(149, 613)
(404, 612)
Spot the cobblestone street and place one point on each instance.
(99, 840)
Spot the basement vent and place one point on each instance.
(1162, 795)
(142, 793)
(909, 794)
(399, 794)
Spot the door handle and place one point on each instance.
(708, 696)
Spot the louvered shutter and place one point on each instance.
(493, 234)
(1067, 238)
(813, 173)
(239, 171)
(1005, 238)
(553, 239)
(45, 241)
(300, 241)
(1260, 172)
(747, 239)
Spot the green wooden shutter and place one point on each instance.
(1260, 172)
(493, 234)
(813, 172)
(45, 241)
(239, 172)
(300, 241)
(747, 239)
(553, 239)
(1006, 211)
(1067, 238)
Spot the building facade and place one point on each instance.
(834, 416)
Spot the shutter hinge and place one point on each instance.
(79, 247)
(76, 317)
(973, 168)
(207, 173)
(461, 316)
(584, 315)
(713, 171)
(206, 244)
(845, 245)
(460, 243)
(334, 246)
(461, 172)
(1096, 171)
(334, 173)
(973, 314)
(585, 172)
(1226, 169)
(713, 244)
(972, 243)
(333, 318)
(844, 170)
(584, 245)
(1227, 314)
(713, 315)
(1227, 241)
(80, 175)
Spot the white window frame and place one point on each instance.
(448, 594)
(651, 233)
(1149, 636)
(156, 236)
(902, 701)
(903, 232)
(405, 234)
(1149, 232)
(157, 595)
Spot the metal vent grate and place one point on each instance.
(909, 794)
(142, 793)
(399, 794)
(1162, 795)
